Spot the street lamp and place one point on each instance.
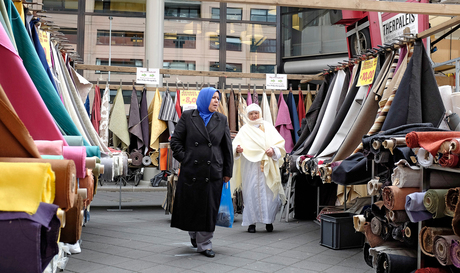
(110, 43)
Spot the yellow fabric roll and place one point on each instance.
(24, 185)
(157, 127)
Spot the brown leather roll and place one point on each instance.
(66, 184)
(394, 198)
(427, 235)
(374, 240)
(71, 233)
(451, 200)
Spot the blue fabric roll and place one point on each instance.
(415, 208)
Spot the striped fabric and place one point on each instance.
(167, 109)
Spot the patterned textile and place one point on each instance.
(255, 97)
(167, 109)
(241, 110)
(96, 111)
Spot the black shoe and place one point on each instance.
(208, 253)
(252, 229)
(269, 227)
(193, 241)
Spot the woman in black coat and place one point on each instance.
(201, 143)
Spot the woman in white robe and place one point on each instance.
(257, 150)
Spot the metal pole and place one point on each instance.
(110, 43)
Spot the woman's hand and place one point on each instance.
(239, 149)
(270, 152)
(226, 179)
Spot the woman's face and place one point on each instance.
(214, 102)
(253, 115)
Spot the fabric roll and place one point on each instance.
(415, 209)
(390, 263)
(373, 187)
(427, 236)
(78, 155)
(430, 141)
(108, 168)
(104, 124)
(164, 156)
(118, 124)
(452, 200)
(293, 115)
(455, 145)
(125, 164)
(376, 226)
(266, 114)
(134, 121)
(394, 198)
(434, 201)
(393, 142)
(391, 247)
(93, 151)
(74, 140)
(455, 99)
(52, 157)
(410, 234)
(71, 233)
(398, 216)
(273, 107)
(404, 176)
(424, 158)
(136, 157)
(96, 109)
(157, 126)
(446, 94)
(53, 147)
(25, 192)
(372, 239)
(449, 160)
(284, 124)
(88, 184)
(367, 257)
(387, 231)
(398, 233)
(16, 140)
(455, 253)
(65, 178)
(456, 221)
(358, 222)
(441, 248)
(31, 241)
(146, 161)
(453, 122)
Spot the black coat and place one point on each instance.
(206, 156)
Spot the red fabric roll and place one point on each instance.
(449, 160)
(430, 141)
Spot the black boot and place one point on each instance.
(252, 229)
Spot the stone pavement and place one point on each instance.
(142, 240)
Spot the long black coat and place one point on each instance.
(205, 154)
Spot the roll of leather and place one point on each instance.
(108, 168)
(88, 184)
(65, 178)
(358, 222)
(415, 209)
(25, 185)
(456, 221)
(367, 257)
(410, 236)
(49, 147)
(394, 198)
(455, 253)
(427, 235)
(397, 216)
(74, 140)
(146, 161)
(406, 177)
(390, 263)
(136, 157)
(78, 155)
(434, 202)
(424, 158)
(441, 248)
(372, 239)
(71, 233)
(376, 226)
(452, 200)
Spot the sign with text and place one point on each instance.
(188, 97)
(277, 82)
(44, 38)
(148, 76)
(366, 76)
(393, 25)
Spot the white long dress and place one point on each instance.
(259, 204)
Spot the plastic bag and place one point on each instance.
(226, 214)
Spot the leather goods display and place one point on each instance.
(65, 181)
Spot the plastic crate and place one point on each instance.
(338, 232)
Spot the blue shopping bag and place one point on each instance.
(226, 214)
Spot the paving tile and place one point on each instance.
(295, 270)
(235, 261)
(111, 269)
(162, 268)
(136, 265)
(310, 265)
(325, 259)
(257, 256)
(80, 266)
(214, 267)
(281, 260)
(263, 266)
(343, 269)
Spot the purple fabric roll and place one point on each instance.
(32, 239)
(455, 253)
(415, 209)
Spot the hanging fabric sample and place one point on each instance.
(249, 97)
(294, 117)
(145, 119)
(118, 123)
(300, 108)
(232, 112)
(96, 109)
(284, 124)
(168, 112)
(177, 103)
(266, 114)
(241, 110)
(157, 126)
(134, 122)
(273, 107)
(255, 96)
(104, 125)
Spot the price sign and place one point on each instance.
(188, 97)
(277, 82)
(148, 76)
(366, 76)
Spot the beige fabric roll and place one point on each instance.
(358, 222)
(373, 187)
(406, 177)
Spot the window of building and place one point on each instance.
(173, 40)
(60, 5)
(120, 38)
(233, 43)
(119, 62)
(232, 13)
(120, 6)
(70, 33)
(180, 65)
(214, 66)
(262, 68)
(266, 46)
(263, 15)
(183, 11)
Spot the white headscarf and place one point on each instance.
(252, 108)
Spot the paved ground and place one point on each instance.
(142, 240)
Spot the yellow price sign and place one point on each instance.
(188, 96)
(367, 73)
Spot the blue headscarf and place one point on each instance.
(203, 101)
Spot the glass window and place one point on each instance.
(60, 5)
(183, 11)
(180, 65)
(120, 38)
(119, 62)
(70, 33)
(263, 15)
(233, 43)
(232, 13)
(262, 68)
(214, 66)
(120, 6)
(264, 46)
(173, 40)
